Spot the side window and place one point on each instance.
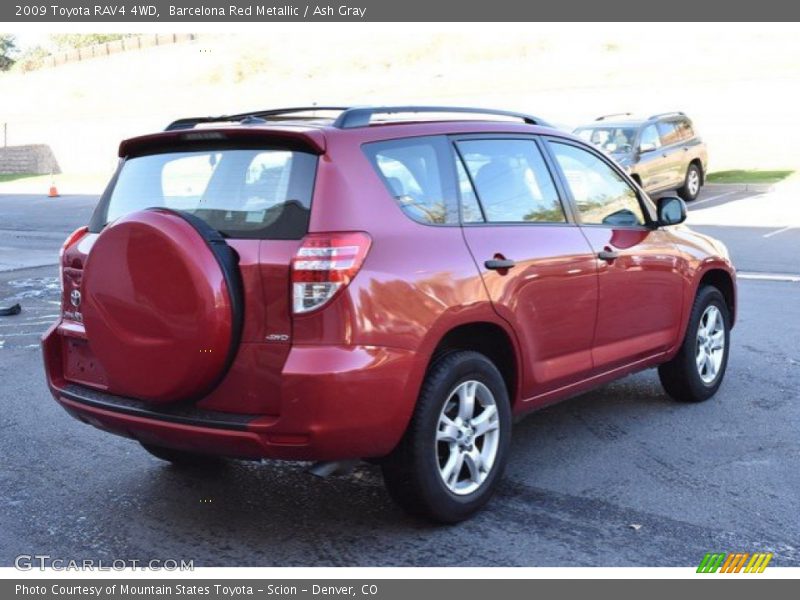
(650, 138)
(685, 129)
(602, 196)
(512, 181)
(416, 173)
(668, 132)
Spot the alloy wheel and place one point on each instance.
(467, 437)
(710, 349)
(693, 182)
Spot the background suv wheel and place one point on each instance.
(455, 449)
(692, 183)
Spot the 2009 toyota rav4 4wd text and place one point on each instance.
(375, 285)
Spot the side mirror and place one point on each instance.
(647, 147)
(671, 211)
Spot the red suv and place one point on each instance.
(375, 285)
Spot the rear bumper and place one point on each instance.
(337, 402)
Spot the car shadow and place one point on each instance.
(247, 509)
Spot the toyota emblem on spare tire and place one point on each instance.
(75, 298)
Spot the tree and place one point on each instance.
(70, 41)
(30, 59)
(8, 45)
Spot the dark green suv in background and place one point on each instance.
(661, 153)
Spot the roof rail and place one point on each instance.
(252, 117)
(361, 116)
(622, 114)
(676, 113)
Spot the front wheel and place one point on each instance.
(691, 184)
(696, 372)
(454, 452)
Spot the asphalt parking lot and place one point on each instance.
(618, 476)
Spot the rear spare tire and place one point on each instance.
(162, 305)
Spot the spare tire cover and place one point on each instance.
(162, 305)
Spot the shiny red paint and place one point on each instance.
(550, 297)
(159, 320)
(342, 381)
(641, 295)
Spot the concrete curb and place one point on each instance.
(761, 188)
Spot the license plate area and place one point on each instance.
(80, 364)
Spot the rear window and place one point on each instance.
(242, 193)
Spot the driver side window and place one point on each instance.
(601, 195)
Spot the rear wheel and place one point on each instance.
(691, 184)
(182, 458)
(696, 372)
(454, 452)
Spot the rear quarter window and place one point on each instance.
(685, 129)
(418, 174)
(242, 193)
(669, 133)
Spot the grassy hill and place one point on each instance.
(738, 82)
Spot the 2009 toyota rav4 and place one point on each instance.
(379, 285)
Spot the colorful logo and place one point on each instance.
(714, 562)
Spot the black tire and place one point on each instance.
(689, 191)
(181, 458)
(412, 471)
(681, 376)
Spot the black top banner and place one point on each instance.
(210, 11)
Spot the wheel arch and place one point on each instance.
(489, 338)
(699, 164)
(724, 281)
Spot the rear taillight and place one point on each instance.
(71, 239)
(323, 265)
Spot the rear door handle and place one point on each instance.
(608, 255)
(497, 264)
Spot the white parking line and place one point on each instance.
(777, 231)
(717, 197)
(769, 277)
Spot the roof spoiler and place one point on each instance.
(312, 140)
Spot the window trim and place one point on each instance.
(536, 140)
(650, 220)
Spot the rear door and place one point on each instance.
(538, 268)
(256, 196)
(640, 285)
(653, 166)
